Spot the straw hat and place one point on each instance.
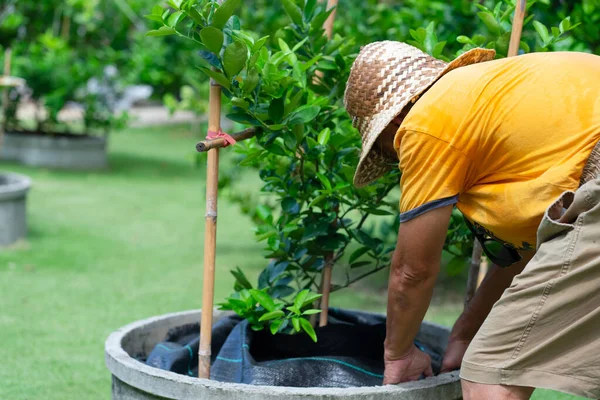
(384, 78)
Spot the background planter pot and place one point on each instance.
(134, 380)
(13, 219)
(76, 152)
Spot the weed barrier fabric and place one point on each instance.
(349, 353)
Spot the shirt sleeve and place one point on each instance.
(433, 174)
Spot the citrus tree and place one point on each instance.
(289, 85)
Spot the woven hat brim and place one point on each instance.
(372, 164)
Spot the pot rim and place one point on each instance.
(16, 185)
(133, 372)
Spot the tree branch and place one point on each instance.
(219, 142)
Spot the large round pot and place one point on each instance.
(13, 196)
(132, 379)
(77, 152)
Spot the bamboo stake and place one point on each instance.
(210, 236)
(477, 272)
(472, 281)
(325, 290)
(517, 28)
(485, 266)
(328, 269)
(328, 25)
(6, 73)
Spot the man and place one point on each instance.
(506, 142)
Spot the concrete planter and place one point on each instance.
(13, 219)
(76, 152)
(134, 380)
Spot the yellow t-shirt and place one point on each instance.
(501, 140)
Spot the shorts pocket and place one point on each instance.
(550, 227)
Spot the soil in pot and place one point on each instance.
(349, 353)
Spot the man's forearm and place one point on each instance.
(409, 295)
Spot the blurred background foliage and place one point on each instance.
(90, 34)
(59, 46)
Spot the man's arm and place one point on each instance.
(467, 325)
(413, 273)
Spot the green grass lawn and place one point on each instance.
(108, 248)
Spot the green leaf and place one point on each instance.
(259, 44)
(309, 9)
(289, 140)
(296, 323)
(240, 278)
(463, 39)
(311, 312)
(542, 31)
(324, 180)
(251, 81)
(212, 38)
(304, 114)
(317, 200)
(275, 326)
(271, 315)
(293, 11)
(294, 101)
(224, 12)
(249, 160)
(283, 45)
(276, 109)
(360, 264)
(299, 44)
(243, 118)
(162, 31)
(153, 17)
(218, 77)
(438, 48)
(377, 211)
(497, 9)
(323, 137)
(234, 58)
(490, 22)
(300, 297)
(264, 212)
(555, 32)
(290, 205)
(263, 299)
(193, 14)
(157, 10)
(307, 327)
(503, 42)
(281, 291)
(294, 310)
(234, 23)
(236, 101)
(358, 254)
(174, 19)
(176, 4)
(276, 269)
(311, 298)
(565, 25)
(479, 40)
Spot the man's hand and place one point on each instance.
(408, 368)
(454, 354)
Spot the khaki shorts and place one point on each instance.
(545, 330)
